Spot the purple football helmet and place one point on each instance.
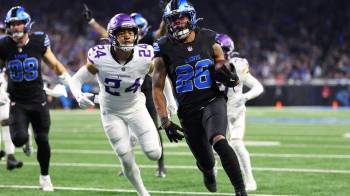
(116, 24)
(226, 44)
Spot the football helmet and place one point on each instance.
(226, 44)
(18, 14)
(116, 24)
(142, 24)
(175, 9)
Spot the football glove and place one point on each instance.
(87, 13)
(172, 131)
(58, 91)
(84, 100)
(227, 77)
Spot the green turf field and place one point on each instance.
(294, 151)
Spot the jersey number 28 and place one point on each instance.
(187, 77)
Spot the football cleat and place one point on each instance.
(2, 154)
(251, 186)
(160, 173)
(209, 181)
(241, 193)
(27, 149)
(121, 173)
(45, 183)
(12, 163)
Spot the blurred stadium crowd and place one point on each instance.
(283, 40)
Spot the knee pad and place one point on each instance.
(154, 154)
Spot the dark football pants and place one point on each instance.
(39, 117)
(201, 127)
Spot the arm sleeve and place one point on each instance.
(256, 88)
(83, 75)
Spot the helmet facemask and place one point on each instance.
(176, 10)
(179, 31)
(126, 47)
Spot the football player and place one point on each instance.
(120, 68)
(11, 162)
(236, 107)
(193, 60)
(145, 36)
(21, 53)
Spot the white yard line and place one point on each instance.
(168, 153)
(347, 135)
(188, 167)
(90, 189)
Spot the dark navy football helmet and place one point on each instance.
(116, 24)
(173, 10)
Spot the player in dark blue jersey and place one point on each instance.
(22, 53)
(193, 61)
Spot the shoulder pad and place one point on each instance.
(96, 52)
(144, 50)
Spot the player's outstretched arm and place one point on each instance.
(85, 74)
(88, 16)
(255, 87)
(51, 60)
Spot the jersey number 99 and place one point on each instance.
(187, 77)
(27, 70)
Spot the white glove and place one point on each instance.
(84, 100)
(4, 98)
(240, 100)
(58, 91)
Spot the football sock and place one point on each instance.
(230, 164)
(9, 147)
(43, 156)
(244, 159)
(132, 172)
